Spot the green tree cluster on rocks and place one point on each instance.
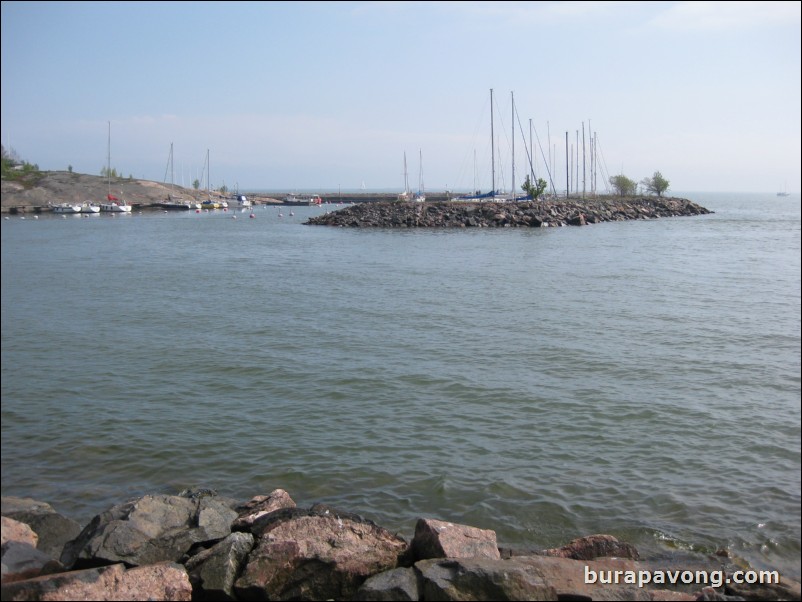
(623, 186)
(657, 184)
(534, 190)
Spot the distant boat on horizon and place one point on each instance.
(784, 190)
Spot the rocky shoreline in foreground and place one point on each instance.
(198, 546)
(525, 214)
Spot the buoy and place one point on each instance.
(252, 215)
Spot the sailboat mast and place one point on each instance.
(406, 176)
(567, 183)
(420, 170)
(492, 146)
(512, 99)
(474, 172)
(108, 159)
(584, 173)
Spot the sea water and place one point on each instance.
(637, 378)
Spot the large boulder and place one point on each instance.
(162, 581)
(213, 571)
(318, 554)
(259, 506)
(481, 579)
(150, 529)
(440, 539)
(53, 529)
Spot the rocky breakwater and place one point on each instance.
(528, 214)
(198, 546)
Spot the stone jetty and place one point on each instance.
(528, 214)
(199, 546)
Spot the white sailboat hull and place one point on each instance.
(66, 208)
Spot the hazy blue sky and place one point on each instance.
(324, 95)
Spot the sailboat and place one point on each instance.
(784, 191)
(172, 202)
(487, 195)
(420, 196)
(209, 203)
(113, 204)
(406, 195)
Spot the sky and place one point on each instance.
(341, 95)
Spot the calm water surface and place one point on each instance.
(635, 378)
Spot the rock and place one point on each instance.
(53, 529)
(594, 546)
(787, 589)
(585, 579)
(394, 585)
(23, 561)
(162, 581)
(150, 529)
(213, 571)
(317, 556)
(13, 530)
(439, 539)
(481, 579)
(259, 506)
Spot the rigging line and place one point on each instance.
(169, 161)
(543, 156)
(468, 157)
(526, 148)
(606, 173)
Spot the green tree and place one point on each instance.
(623, 186)
(657, 184)
(534, 190)
(196, 183)
(69, 168)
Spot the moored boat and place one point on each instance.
(294, 199)
(115, 205)
(112, 204)
(66, 208)
(90, 207)
(178, 204)
(241, 201)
